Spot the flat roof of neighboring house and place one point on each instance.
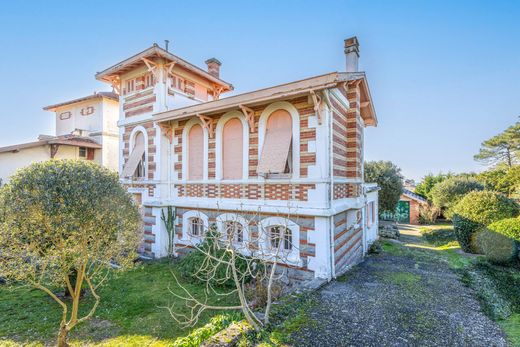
(155, 51)
(413, 196)
(107, 95)
(67, 140)
(286, 90)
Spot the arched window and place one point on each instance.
(276, 157)
(136, 164)
(234, 231)
(196, 153)
(232, 149)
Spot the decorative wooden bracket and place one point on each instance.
(217, 90)
(318, 105)
(115, 82)
(152, 67)
(54, 150)
(167, 130)
(250, 117)
(168, 68)
(208, 123)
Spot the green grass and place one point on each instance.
(511, 327)
(439, 235)
(129, 314)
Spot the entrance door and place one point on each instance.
(402, 212)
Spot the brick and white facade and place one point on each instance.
(173, 117)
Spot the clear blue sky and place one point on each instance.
(444, 75)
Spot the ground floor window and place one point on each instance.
(196, 227)
(234, 231)
(280, 237)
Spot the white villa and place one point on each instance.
(291, 154)
(86, 128)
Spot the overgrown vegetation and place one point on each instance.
(446, 194)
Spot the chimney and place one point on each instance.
(214, 67)
(352, 54)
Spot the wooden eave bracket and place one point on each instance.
(317, 100)
(54, 150)
(250, 117)
(208, 123)
(115, 82)
(217, 90)
(152, 67)
(169, 70)
(167, 130)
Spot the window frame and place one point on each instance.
(82, 152)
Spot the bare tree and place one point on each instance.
(237, 251)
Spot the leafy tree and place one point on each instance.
(388, 177)
(503, 179)
(428, 182)
(447, 193)
(66, 223)
(501, 148)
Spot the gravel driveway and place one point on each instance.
(399, 300)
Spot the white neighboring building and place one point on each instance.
(86, 128)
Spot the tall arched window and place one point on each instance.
(232, 149)
(136, 164)
(196, 153)
(276, 155)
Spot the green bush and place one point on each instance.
(479, 209)
(446, 194)
(509, 227)
(497, 247)
(197, 267)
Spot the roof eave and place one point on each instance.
(255, 97)
(114, 69)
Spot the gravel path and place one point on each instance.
(399, 300)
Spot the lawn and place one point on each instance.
(129, 314)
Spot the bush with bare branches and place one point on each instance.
(232, 264)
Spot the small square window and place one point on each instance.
(280, 237)
(82, 152)
(234, 231)
(196, 227)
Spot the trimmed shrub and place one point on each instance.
(497, 247)
(446, 194)
(479, 209)
(509, 227)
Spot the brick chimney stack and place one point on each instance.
(352, 54)
(214, 67)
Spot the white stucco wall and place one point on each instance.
(92, 122)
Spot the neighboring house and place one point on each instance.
(291, 155)
(408, 207)
(86, 128)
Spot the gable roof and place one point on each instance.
(330, 80)
(414, 196)
(108, 95)
(67, 140)
(153, 52)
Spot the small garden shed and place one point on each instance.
(408, 207)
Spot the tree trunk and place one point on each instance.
(62, 337)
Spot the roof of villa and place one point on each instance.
(282, 91)
(157, 52)
(108, 95)
(67, 140)
(413, 196)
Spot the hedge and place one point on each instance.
(476, 210)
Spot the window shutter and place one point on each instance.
(277, 143)
(195, 153)
(135, 156)
(90, 153)
(232, 149)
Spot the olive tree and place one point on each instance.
(388, 177)
(66, 224)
